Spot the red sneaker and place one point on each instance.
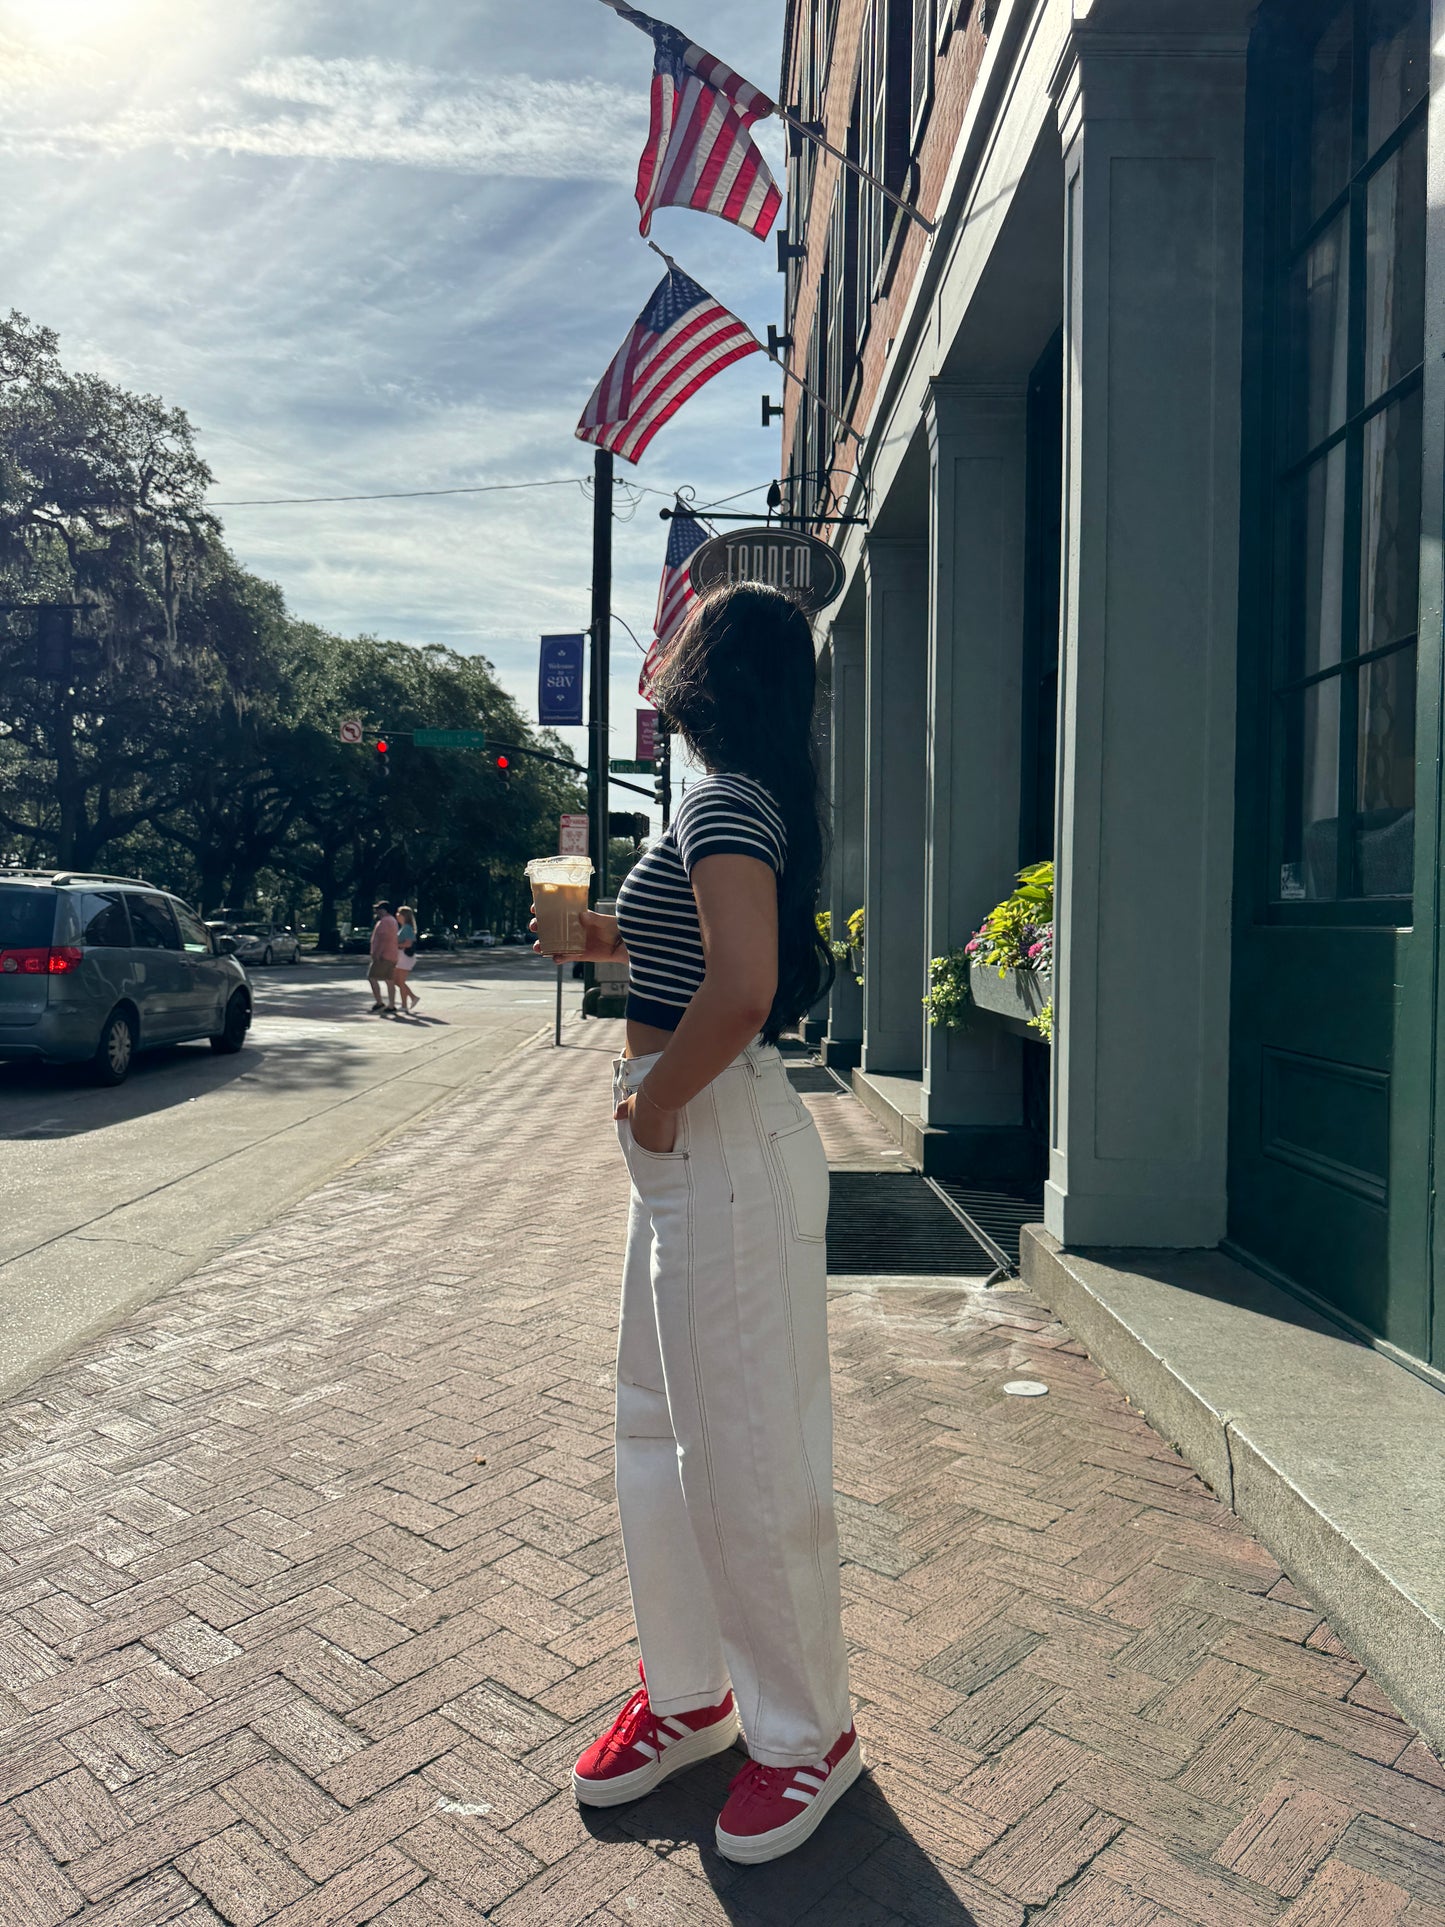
(642, 1748)
(772, 1809)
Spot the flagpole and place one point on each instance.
(807, 387)
(599, 766)
(812, 134)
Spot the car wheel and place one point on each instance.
(115, 1052)
(267, 958)
(296, 954)
(232, 1035)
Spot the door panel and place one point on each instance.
(161, 994)
(1327, 1159)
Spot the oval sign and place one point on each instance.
(783, 558)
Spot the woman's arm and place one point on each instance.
(737, 908)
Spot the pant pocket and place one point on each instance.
(802, 1165)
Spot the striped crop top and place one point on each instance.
(656, 910)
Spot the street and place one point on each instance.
(111, 1195)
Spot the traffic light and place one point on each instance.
(660, 781)
(633, 824)
(381, 750)
(504, 767)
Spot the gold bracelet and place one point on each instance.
(642, 1091)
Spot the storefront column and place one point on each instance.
(1153, 132)
(973, 1078)
(894, 971)
(847, 743)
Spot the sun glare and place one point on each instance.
(58, 22)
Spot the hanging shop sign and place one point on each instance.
(783, 558)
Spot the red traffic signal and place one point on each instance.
(381, 746)
(504, 762)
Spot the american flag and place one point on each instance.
(675, 597)
(700, 153)
(682, 338)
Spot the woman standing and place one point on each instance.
(406, 939)
(724, 1408)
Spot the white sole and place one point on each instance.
(749, 1849)
(623, 1787)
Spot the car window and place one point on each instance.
(26, 918)
(195, 937)
(100, 919)
(153, 924)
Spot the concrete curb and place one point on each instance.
(1333, 1455)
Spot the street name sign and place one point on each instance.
(572, 838)
(352, 730)
(449, 738)
(783, 558)
(559, 680)
(634, 768)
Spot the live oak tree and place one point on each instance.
(194, 735)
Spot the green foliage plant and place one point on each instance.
(1017, 934)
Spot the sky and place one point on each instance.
(371, 247)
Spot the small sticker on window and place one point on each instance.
(1291, 884)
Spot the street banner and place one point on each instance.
(559, 683)
(646, 735)
(572, 839)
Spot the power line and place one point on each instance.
(399, 495)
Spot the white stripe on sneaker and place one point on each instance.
(797, 1793)
(805, 1778)
(641, 1746)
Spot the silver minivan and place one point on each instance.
(94, 968)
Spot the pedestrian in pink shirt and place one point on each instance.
(383, 958)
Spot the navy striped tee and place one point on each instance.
(656, 910)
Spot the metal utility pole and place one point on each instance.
(664, 775)
(599, 736)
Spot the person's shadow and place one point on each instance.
(862, 1868)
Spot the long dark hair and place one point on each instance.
(740, 686)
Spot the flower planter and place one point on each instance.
(1017, 997)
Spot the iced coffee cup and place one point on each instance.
(559, 894)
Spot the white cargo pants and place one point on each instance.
(724, 1414)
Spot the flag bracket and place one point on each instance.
(813, 522)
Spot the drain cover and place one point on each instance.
(815, 1080)
(891, 1223)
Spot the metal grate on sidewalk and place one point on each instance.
(892, 1223)
(999, 1215)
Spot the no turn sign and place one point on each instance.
(352, 730)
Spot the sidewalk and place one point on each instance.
(310, 1591)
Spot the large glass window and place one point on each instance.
(1349, 345)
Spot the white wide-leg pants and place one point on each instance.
(724, 1414)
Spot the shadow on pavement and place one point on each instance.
(158, 1081)
(861, 1867)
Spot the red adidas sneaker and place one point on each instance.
(642, 1748)
(772, 1809)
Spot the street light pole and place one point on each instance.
(599, 748)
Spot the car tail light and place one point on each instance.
(27, 963)
(67, 957)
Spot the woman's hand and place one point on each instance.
(604, 940)
(653, 1129)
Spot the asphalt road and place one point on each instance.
(110, 1196)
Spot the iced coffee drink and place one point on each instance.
(559, 895)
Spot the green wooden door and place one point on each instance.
(1332, 992)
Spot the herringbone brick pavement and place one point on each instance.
(310, 1591)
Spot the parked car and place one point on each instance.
(518, 936)
(482, 939)
(259, 943)
(94, 968)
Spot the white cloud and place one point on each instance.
(370, 110)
